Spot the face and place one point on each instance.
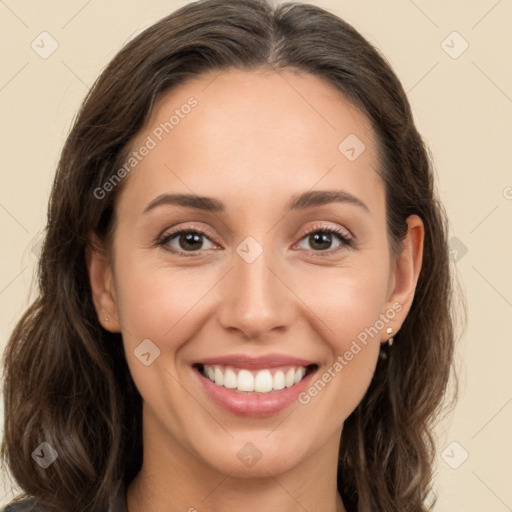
(284, 268)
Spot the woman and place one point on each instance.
(245, 293)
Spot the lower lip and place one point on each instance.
(254, 404)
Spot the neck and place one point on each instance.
(227, 495)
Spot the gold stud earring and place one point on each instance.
(106, 319)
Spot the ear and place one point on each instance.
(404, 275)
(102, 284)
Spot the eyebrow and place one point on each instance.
(321, 197)
(298, 202)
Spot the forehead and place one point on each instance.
(246, 133)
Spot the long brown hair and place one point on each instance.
(67, 382)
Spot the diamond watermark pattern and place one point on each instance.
(146, 352)
(44, 45)
(457, 249)
(454, 455)
(45, 455)
(249, 249)
(351, 147)
(249, 455)
(37, 247)
(454, 45)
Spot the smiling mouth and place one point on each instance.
(266, 380)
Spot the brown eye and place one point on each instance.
(185, 240)
(190, 241)
(322, 240)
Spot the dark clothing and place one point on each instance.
(28, 505)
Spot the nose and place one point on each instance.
(255, 300)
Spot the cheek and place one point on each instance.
(162, 305)
(157, 301)
(347, 300)
(348, 304)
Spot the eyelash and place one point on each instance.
(346, 240)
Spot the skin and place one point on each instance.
(255, 139)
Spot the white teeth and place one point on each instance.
(229, 379)
(245, 381)
(278, 380)
(219, 376)
(261, 381)
(298, 375)
(289, 378)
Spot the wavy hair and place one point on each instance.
(66, 378)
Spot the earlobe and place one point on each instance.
(102, 284)
(405, 272)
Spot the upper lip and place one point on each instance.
(245, 361)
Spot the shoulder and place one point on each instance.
(26, 505)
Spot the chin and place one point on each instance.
(257, 455)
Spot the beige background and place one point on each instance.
(463, 107)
